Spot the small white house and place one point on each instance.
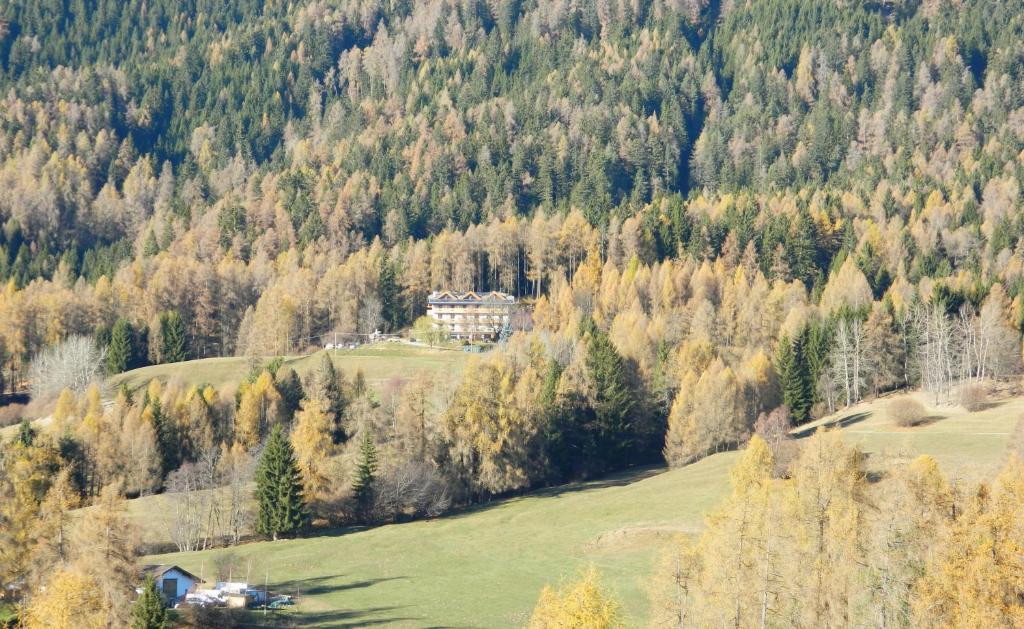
(173, 582)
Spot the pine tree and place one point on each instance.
(174, 348)
(26, 433)
(801, 249)
(290, 388)
(166, 436)
(152, 247)
(366, 470)
(614, 402)
(796, 391)
(119, 354)
(149, 611)
(387, 287)
(279, 489)
(327, 387)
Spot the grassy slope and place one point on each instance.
(380, 363)
(968, 446)
(485, 567)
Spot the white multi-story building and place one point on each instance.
(470, 315)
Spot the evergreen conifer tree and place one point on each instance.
(279, 489)
(152, 247)
(387, 287)
(174, 347)
(149, 611)
(801, 250)
(796, 392)
(119, 354)
(26, 433)
(327, 386)
(615, 403)
(366, 470)
(166, 439)
(290, 388)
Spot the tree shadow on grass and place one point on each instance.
(841, 422)
(316, 586)
(926, 421)
(369, 617)
(617, 479)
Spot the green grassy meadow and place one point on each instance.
(969, 447)
(486, 566)
(380, 362)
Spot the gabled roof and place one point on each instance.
(158, 570)
(469, 297)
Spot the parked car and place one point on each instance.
(281, 603)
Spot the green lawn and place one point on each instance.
(380, 363)
(485, 567)
(968, 446)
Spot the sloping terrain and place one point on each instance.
(379, 362)
(485, 567)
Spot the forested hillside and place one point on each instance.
(728, 218)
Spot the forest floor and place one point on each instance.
(485, 567)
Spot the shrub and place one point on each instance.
(907, 412)
(973, 397)
(11, 414)
(410, 490)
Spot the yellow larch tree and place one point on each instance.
(311, 439)
(977, 577)
(70, 600)
(582, 604)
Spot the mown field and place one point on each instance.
(485, 567)
(380, 362)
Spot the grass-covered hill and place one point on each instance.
(379, 363)
(484, 567)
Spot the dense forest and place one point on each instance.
(728, 218)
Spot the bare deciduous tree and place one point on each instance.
(72, 364)
(411, 489)
(937, 351)
(191, 506)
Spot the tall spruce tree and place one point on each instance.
(149, 611)
(167, 443)
(815, 343)
(614, 401)
(290, 388)
(327, 386)
(121, 350)
(388, 289)
(151, 247)
(174, 347)
(797, 393)
(366, 471)
(279, 489)
(801, 250)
